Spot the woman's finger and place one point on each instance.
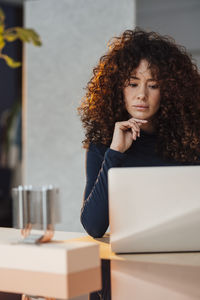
(134, 134)
(135, 127)
(136, 123)
(124, 125)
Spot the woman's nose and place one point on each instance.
(141, 94)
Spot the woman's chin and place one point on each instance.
(140, 115)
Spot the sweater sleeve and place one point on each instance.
(94, 212)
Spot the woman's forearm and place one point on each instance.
(94, 213)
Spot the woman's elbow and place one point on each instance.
(91, 229)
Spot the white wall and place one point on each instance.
(74, 34)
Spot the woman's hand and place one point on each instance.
(125, 133)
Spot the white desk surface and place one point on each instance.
(70, 266)
(152, 276)
(63, 268)
(180, 258)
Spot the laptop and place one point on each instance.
(154, 209)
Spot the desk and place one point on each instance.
(166, 276)
(62, 269)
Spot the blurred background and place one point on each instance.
(45, 148)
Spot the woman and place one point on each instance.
(142, 108)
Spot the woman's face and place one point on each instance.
(142, 93)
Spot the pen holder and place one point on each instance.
(35, 208)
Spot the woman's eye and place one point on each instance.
(154, 86)
(133, 84)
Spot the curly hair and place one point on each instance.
(178, 119)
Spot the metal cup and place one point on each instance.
(35, 208)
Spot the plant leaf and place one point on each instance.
(10, 37)
(35, 37)
(28, 35)
(10, 62)
(22, 34)
(1, 28)
(2, 43)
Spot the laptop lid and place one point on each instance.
(154, 209)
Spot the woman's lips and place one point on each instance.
(140, 107)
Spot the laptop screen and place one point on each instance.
(154, 209)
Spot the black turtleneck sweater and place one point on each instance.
(94, 213)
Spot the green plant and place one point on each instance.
(12, 34)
